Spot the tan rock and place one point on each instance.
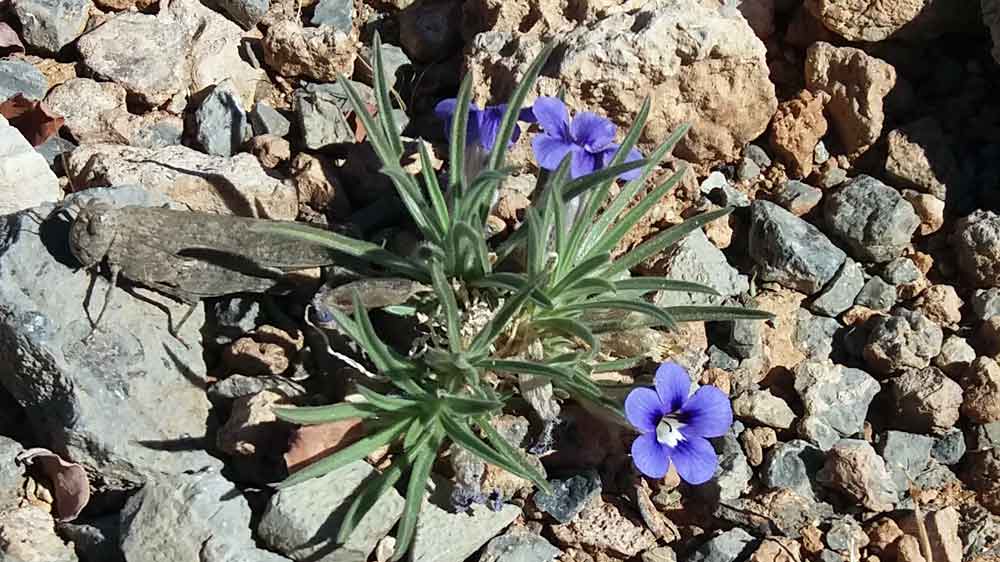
(797, 127)
(855, 469)
(862, 20)
(981, 391)
(941, 305)
(266, 351)
(755, 441)
(777, 549)
(319, 53)
(929, 208)
(919, 156)
(317, 185)
(515, 16)
(812, 539)
(312, 442)
(55, 72)
(214, 184)
(602, 526)
(27, 534)
(26, 180)
(707, 62)
(858, 315)
(857, 84)
(882, 534)
(271, 150)
(942, 533)
(718, 378)
(252, 425)
(988, 336)
(908, 549)
(778, 335)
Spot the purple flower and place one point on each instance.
(484, 124)
(589, 138)
(674, 426)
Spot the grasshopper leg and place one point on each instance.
(175, 330)
(115, 270)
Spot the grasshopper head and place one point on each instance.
(92, 233)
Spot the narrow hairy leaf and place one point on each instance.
(386, 403)
(409, 192)
(647, 284)
(581, 185)
(716, 313)
(502, 317)
(376, 135)
(664, 240)
(475, 245)
(571, 328)
(581, 272)
(459, 128)
(423, 460)
(460, 433)
(383, 101)
(466, 406)
(438, 203)
(585, 288)
(506, 449)
(370, 342)
(617, 365)
(639, 306)
(514, 105)
(446, 298)
(366, 498)
(512, 282)
(308, 415)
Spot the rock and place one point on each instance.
(429, 30)
(221, 125)
(723, 194)
(796, 129)
(908, 549)
(28, 534)
(942, 527)
(519, 546)
(19, 77)
(251, 427)
(876, 294)
(747, 170)
(754, 441)
(777, 549)
(76, 392)
(758, 156)
(905, 340)
(318, 53)
(53, 150)
(762, 407)
(649, 52)
(569, 496)
(266, 120)
(321, 109)
(830, 175)
(11, 474)
(318, 185)
(835, 400)
(659, 554)
(238, 386)
(846, 537)
(791, 465)
(855, 20)
(237, 185)
(602, 526)
(857, 85)
(941, 305)
(926, 401)
(791, 251)
(729, 546)
(882, 533)
(186, 517)
(695, 259)
(394, 60)
(296, 517)
(985, 437)
(950, 447)
(779, 334)
(266, 351)
(976, 241)
(920, 157)
(854, 469)
(901, 271)
(991, 17)
(247, 13)
(798, 198)
(449, 537)
(50, 26)
(732, 477)
(338, 14)
(96, 539)
(26, 180)
(907, 456)
(841, 291)
(872, 218)
(271, 151)
(981, 389)
(814, 335)
(988, 336)
(986, 303)
(930, 209)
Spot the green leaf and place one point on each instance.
(446, 297)
(646, 284)
(571, 328)
(502, 317)
(386, 403)
(536, 242)
(663, 240)
(356, 451)
(556, 374)
(438, 203)
(308, 415)
(512, 282)
(585, 288)
(470, 204)
(716, 313)
(476, 244)
(466, 406)
(383, 101)
(370, 342)
(581, 185)
(460, 433)
(505, 449)
(581, 272)
(376, 135)
(416, 204)
(618, 365)
(514, 104)
(639, 306)
(369, 494)
(415, 489)
(459, 128)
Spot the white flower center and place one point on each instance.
(668, 432)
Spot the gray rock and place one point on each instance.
(790, 251)
(199, 516)
(697, 260)
(338, 14)
(820, 153)
(267, 121)
(95, 540)
(719, 359)
(792, 465)
(835, 399)
(247, 13)
(29, 535)
(872, 218)
(728, 196)
(221, 125)
(827, 555)
(394, 60)
(763, 408)
(715, 180)
(732, 477)
(730, 546)
(925, 401)
(986, 303)
(453, 537)
(321, 110)
(158, 134)
(840, 293)
(430, 31)
(20, 77)
(758, 155)
(798, 198)
(238, 386)
(743, 338)
(747, 169)
(814, 335)
(76, 392)
(976, 241)
(50, 25)
(985, 437)
(906, 455)
(876, 295)
(519, 546)
(53, 150)
(26, 180)
(569, 496)
(830, 177)
(235, 316)
(846, 536)
(901, 271)
(300, 520)
(907, 339)
(950, 447)
(11, 473)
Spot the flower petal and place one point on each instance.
(707, 413)
(643, 409)
(649, 456)
(592, 131)
(527, 115)
(446, 108)
(550, 150)
(583, 163)
(673, 385)
(553, 116)
(695, 460)
(609, 153)
(489, 125)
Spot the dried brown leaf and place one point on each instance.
(309, 443)
(70, 485)
(9, 41)
(33, 118)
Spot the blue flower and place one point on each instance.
(484, 124)
(674, 427)
(589, 138)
